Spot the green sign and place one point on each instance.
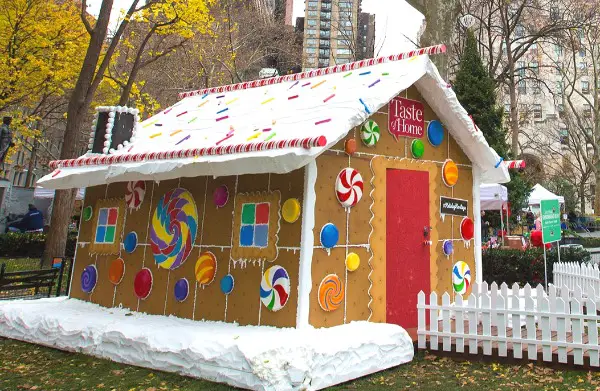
(550, 211)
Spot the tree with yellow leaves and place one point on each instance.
(41, 50)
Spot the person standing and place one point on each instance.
(6, 138)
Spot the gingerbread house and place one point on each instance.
(318, 198)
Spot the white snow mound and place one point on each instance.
(252, 357)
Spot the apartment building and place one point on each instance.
(336, 32)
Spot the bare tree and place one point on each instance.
(509, 34)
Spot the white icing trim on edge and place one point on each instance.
(477, 221)
(306, 246)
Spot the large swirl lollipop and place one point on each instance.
(275, 288)
(173, 229)
(461, 277)
(349, 187)
(331, 293)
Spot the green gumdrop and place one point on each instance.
(417, 148)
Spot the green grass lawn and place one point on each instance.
(30, 367)
(20, 264)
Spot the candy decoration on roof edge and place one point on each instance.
(89, 278)
(227, 284)
(181, 289)
(417, 148)
(331, 293)
(135, 194)
(173, 228)
(329, 236)
(88, 212)
(221, 196)
(461, 277)
(142, 284)
(275, 288)
(131, 241)
(450, 173)
(370, 133)
(435, 133)
(290, 211)
(516, 164)
(349, 187)
(467, 229)
(206, 268)
(352, 262)
(116, 271)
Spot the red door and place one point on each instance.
(407, 255)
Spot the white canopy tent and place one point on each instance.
(493, 196)
(539, 193)
(41, 193)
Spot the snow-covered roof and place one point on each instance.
(275, 125)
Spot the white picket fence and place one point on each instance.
(532, 312)
(583, 275)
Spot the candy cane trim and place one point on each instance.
(316, 72)
(307, 143)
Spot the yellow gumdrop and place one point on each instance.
(291, 210)
(352, 262)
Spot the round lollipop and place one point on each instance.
(130, 242)
(417, 148)
(116, 271)
(329, 235)
(467, 229)
(173, 228)
(135, 194)
(290, 211)
(88, 212)
(461, 277)
(181, 289)
(227, 284)
(435, 133)
(370, 133)
(206, 268)
(450, 173)
(448, 247)
(275, 288)
(331, 293)
(221, 196)
(89, 278)
(352, 262)
(349, 187)
(142, 284)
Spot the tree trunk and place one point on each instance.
(64, 200)
(441, 16)
(31, 166)
(582, 198)
(596, 194)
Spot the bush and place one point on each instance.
(18, 245)
(523, 267)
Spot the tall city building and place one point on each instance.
(282, 10)
(334, 33)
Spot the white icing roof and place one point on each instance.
(328, 105)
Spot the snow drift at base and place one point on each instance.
(258, 358)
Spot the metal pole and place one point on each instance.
(502, 226)
(507, 222)
(545, 267)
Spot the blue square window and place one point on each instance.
(247, 235)
(100, 234)
(103, 217)
(261, 235)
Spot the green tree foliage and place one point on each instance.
(476, 91)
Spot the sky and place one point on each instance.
(391, 19)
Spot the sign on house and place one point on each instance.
(406, 118)
(550, 211)
(453, 207)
